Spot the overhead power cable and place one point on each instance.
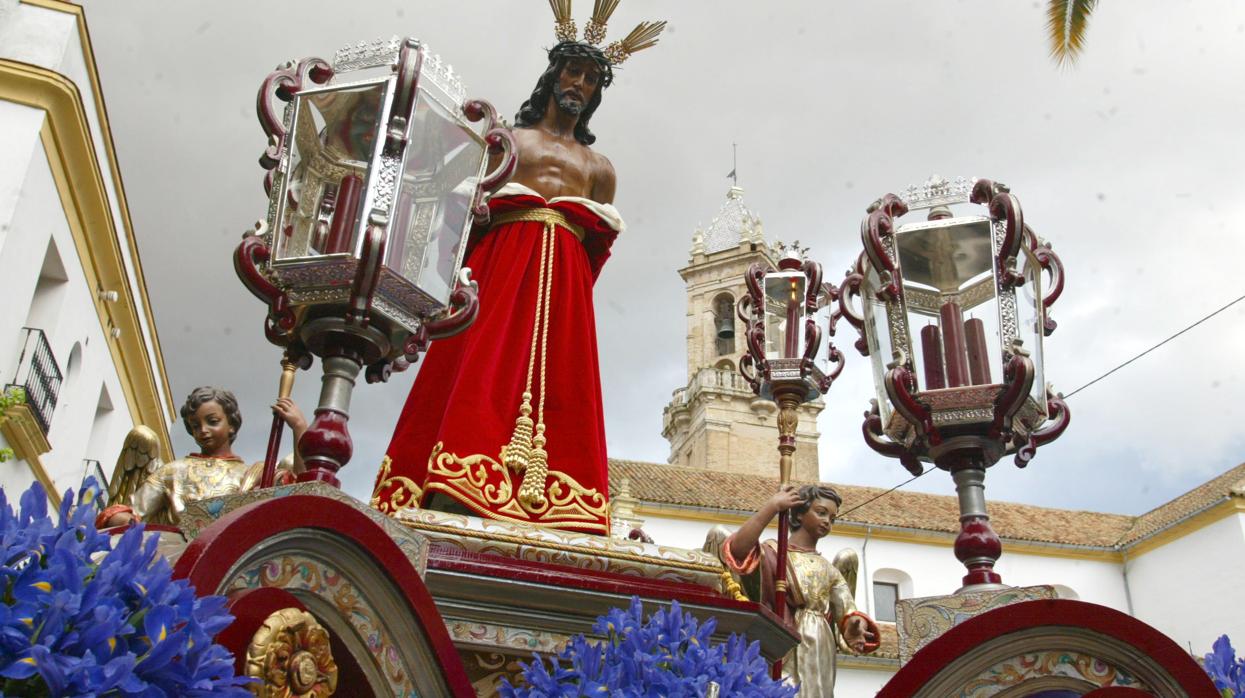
(1156, 346)
(879, 496)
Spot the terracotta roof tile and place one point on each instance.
(888, 647)
(691, 487)
(1227, 485)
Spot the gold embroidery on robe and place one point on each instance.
(481, 480)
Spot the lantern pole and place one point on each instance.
(789, 378)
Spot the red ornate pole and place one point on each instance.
(327, 445)
(288, 367)
(788, 419)
(978, 547)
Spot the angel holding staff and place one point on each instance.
(144, 488)
(819, 603)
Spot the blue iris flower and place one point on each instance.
(82, 617)
(1225, 668)
(668, 655)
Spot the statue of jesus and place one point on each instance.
(505, 420)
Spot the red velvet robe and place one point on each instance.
(463, 406)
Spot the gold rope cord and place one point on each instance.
(532, 491)
(517, 454)
(525, 452)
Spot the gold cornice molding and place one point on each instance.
(66, 137)
(24, 434)
(88, 56)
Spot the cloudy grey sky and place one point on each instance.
(1132, 164)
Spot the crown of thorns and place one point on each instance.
(642, 37)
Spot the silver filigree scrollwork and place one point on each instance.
(937, 191)
(367, 54)
(1009, 324)
(386, 180)
(442, 75)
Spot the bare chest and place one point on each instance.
(553, 167)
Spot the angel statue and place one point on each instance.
(144, 488)
(820, 604)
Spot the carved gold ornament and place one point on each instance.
(291, 656)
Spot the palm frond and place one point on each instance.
(1066, 22)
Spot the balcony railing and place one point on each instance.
(38, 374)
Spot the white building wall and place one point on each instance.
(1190, 589)
(859, 683)
(74, 327)
(92, 413)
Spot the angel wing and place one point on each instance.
(140, 456)
(848, 563)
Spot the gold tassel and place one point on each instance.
(594, 32)
(518, 453)
(532, 491)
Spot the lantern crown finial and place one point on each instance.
(938, 191)
(791, 256)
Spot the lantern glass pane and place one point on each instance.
(951, 302)
(1029, 321)
(878, 335)
(784, 314)
(945, 255)
(331, 147)
(445, 157)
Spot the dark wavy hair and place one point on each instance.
(224, 398)
(808, 495)
(533, 110)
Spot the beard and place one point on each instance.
(569, 105)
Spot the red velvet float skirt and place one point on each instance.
(506, 417)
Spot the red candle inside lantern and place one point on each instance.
(931, 352)
(792, 348)
(344, 217)
(978, 359)
(953, 345)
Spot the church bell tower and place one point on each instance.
(716, 422)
